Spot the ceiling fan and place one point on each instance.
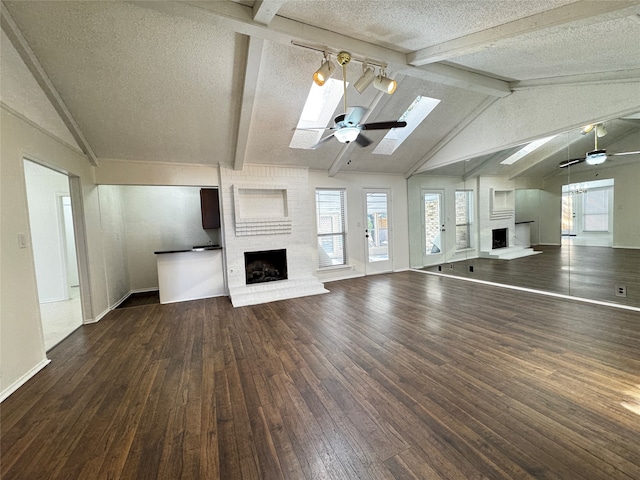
(595, 156)
(347, 127)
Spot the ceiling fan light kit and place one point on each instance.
(346, 134)
(597, 156)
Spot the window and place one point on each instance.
(414, 115)
(464, 216)
(330, 223)
(596, 210)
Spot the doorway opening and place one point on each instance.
(53, 243)
(587, 213)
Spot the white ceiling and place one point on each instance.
(222, 83)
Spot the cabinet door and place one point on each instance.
(210, 206)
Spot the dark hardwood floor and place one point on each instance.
(405, 375)
(579, 271)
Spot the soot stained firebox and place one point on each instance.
(499, 238)
(265, 266)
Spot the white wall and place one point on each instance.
(114, 243)
(528, 210)
(354, 183)
(44, 190)
(22, 345)
(160, 218)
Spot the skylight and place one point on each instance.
(526, 150)
(317, 112)
(414, 115)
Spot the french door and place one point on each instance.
(433, 238)
(378, 233)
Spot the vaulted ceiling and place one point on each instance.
(224, 82)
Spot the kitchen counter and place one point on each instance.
(192, 249)
(190, 273)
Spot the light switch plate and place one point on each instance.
(22, 240)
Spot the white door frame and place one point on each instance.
(379, 265)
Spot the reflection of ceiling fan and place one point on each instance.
(595, 156)
(347, 126)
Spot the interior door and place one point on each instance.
(433, 227)
(377, 231)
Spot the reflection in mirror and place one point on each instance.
(534, 222)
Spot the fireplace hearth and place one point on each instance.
(265, 266)
(499, 238)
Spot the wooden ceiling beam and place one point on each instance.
(240, 18)
(265, 10)
(252, 71)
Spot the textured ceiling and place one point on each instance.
(409, 25)
(22, 94)
(604, 46)
(202, 82)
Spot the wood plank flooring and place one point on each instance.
(405, 376)
(579, 271)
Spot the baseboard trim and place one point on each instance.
(23, 379)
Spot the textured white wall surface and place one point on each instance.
(21, 343)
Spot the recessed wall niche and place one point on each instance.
(502, 204)
(261, 211)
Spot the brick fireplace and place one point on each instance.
(268, 209)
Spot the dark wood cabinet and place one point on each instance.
(210, 207)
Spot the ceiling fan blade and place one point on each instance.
(323, 140)
(624, 153)
(315, 128)
(382, 125)
(572, 161)
(354, 115)
(362, 140)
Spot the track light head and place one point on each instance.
(385, 84)
(601, 130)
(325, 71)
(587, 128)
(367, 77)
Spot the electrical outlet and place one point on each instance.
(451, 266)
(621, 290)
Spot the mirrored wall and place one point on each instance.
(560, 215)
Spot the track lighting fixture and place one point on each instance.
(368, 75)
(324, 73)
(587, 128)
(385, 84)
(327, 69)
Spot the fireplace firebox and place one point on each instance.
(499, 238)
(265, 266)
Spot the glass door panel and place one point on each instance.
(377, 232)
(434, 244)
